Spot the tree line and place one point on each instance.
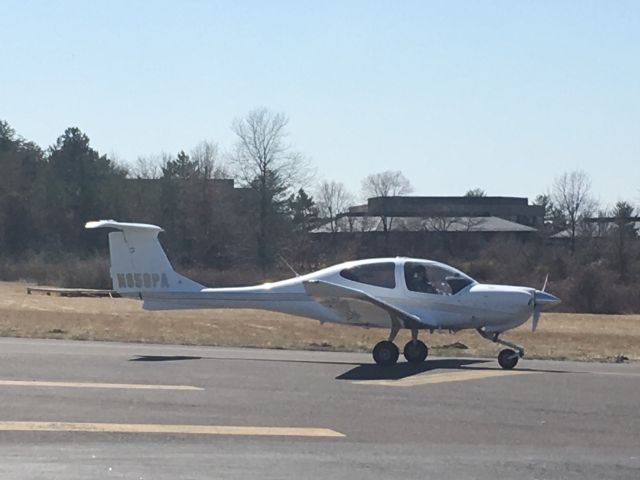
(47, 194)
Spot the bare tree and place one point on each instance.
(261, 150)
(391, 183)
(150, 166)
(207, 158)
(264, 161)
(571, 194)
(475, 192)
(333, 199)
(438, 224)
(451, 224)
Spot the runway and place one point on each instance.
(77, 410)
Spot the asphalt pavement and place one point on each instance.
(77, 410)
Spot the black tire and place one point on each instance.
(386, 353)
(415, 352)
(508, 359)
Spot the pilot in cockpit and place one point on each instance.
(420, 282)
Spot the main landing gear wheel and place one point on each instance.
(508, 359)
(386, 353)
(415, 351)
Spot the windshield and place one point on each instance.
(434, 278)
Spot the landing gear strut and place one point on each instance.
(507, 358)
(386, 353)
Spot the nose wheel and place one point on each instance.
(508, 359)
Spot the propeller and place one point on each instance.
(538, 299)
(536, 314)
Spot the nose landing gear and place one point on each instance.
(507, 358)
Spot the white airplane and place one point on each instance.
(391, 293)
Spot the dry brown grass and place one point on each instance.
(559, 335)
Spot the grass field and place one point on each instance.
(559, 335)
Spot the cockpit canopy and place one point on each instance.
(382, 274)
(419, 276)
(434, 278)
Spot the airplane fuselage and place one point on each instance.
(495, 307)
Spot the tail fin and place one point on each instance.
(138, 262)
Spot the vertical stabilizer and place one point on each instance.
(138, 262)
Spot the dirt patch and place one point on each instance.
(559, 335)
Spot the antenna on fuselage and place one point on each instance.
(289, 265)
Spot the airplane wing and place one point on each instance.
(350, 303)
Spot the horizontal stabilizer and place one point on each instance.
(123, 226)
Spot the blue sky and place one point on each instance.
(499, 95)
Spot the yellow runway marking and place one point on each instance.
(132, 386)
(172, 429)
(446, 377)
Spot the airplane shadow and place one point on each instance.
(171, 358)
(162, 358)
(403, 369)
(545, 370)
(361, 371)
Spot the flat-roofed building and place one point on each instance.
(397, 225)
(514, 209)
